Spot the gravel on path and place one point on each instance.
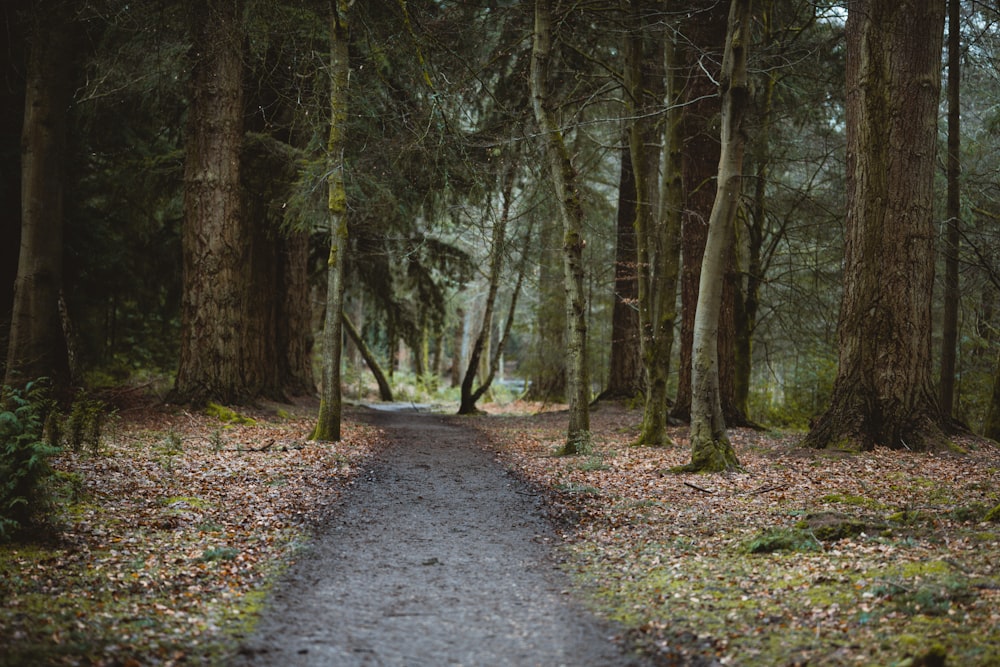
(435, 556)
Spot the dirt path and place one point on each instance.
(437, 556)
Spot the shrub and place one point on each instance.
(24, 455)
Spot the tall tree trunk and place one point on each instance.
(328, 420)
(625, 368)
(704, 33)
(571, 212)
(219, 338)
(646, 66)
(883, 393)
(949, 325)
(38, 344)
(711, 450)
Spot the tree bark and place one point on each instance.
(649, 58)
(952, 294)
(548, 383)
(625, 368)
(571, 212)
(328, 420)
(883, 394)
(711, 450)
(704, 33)
(219, 360)
(38, 347)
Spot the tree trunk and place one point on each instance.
(951, 296)
(571, 212)
(625, 368)
(384, 390)
(294, 316)
(328, 421)
(704, 33)
(498, 249)
(38, 346)
(883, 393)
(219, 338)
(711, 450)
(646, 66)
(548, 383)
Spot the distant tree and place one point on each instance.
(711, 450)
(563, 177)
(883, 394)
(953, 231)
(481, 348)
(38, 343)
(625, 378)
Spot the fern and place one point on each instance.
(24, 455)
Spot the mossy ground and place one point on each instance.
(870, 558)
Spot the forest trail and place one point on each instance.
(435, 556)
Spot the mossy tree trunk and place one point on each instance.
(711, 450)
(329, 418)
(648, 61)
(883, 394)
(37, 346)
(570, 207)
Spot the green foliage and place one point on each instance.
(24, 455)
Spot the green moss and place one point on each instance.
(782, 539)
(227, 415)
(993, 515)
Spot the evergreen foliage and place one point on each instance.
(24, 455)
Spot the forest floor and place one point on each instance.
(185, 540)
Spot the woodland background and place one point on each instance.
(453, 257)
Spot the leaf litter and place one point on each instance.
(167, 539)
(808, 557)
(170, 536)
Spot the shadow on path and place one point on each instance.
(436, 556)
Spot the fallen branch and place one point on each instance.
(698, 488)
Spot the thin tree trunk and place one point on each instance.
(711, 450)
(384, 390)
(571, 212)
(883, 394)
(328, 420)
(469, 396)
(952, 294)
(37, 346)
